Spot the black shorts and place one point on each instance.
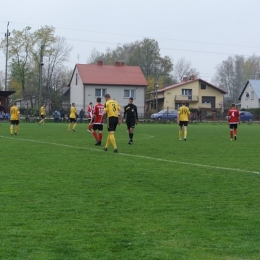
(15, 122)
(72, 120)
(112, 123)
(42, 116)
(98, 127)
(183, 123)
(130, 122)
(233, 126)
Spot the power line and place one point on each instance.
(141, 36)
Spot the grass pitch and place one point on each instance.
(61, 197)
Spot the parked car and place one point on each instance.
(245, 116)
(166, 115)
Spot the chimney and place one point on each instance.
(119, 63)
(192, 77)
(100, 63)
(184, 79)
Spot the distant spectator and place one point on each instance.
(56, 117)
(199, 114)
(7, 116)
(81, 115)
(62, 114)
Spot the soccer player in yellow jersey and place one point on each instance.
(73, 117)
(111, 110)
(183, 119)
(15, 119)
(43, 114)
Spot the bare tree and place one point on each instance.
(94, 56)
(25, 51)
(183, 68)
(233, 73)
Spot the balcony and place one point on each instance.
(188, 98)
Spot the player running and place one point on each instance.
(97, 122)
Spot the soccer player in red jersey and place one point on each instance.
(97, 121)
(233, 120)
(90, 113)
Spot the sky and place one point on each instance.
(203, 32)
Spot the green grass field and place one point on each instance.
(61, 197)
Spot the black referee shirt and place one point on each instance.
(130, 111)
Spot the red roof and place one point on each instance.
(111, 75)
(189, 81)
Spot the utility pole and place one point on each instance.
(156, 86)
(7, 34)
(40, 76)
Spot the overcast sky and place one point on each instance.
(204, 32)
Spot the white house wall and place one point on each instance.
(117, 93)
(76, 91)
(248, 102)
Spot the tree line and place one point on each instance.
(26, 48)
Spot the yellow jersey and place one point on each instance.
(112, 108)
(73, 112)
(183, 113)
(42, 111)
(14, 112)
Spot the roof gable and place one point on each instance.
(111, 75)
(255, 83)
(191, 81)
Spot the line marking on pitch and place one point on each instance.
(138, 137)
(136, 155)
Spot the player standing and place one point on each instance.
(233, 120)
(90, 114)
(111, 110)
(15, 119)
(73, 117)
(97, 122)
(183, 119)
(131, 118)
(43, 114)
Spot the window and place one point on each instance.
(203, 86)
(129, 93)
(186, 92)
(247, 95)
(252, 95)
(100, 92)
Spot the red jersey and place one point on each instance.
(98, 112)
(90, 111)
(233, 115)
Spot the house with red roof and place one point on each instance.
(90, 81)
(195, 92)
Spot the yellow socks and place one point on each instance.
(113, 140)
(180, 134)
(108, 141)
(185, 134)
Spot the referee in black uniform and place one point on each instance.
(131, 118)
